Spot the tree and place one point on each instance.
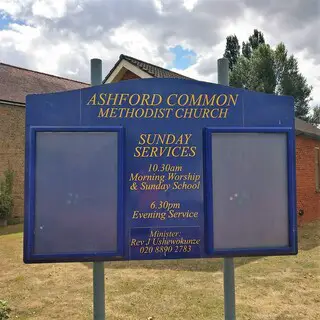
(268, 70)
(239, 74)
(315, 117)
(262, 77)
(246, 50)
(232, 51)
(256, 73)
(256, 39)
(291, 82)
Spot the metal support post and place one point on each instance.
(98, 267)
(228, 265)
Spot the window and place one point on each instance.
(317, 168)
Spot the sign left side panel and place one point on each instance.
(74, 199)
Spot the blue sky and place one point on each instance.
(5, 20)
(184, 58)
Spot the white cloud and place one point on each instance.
(18, 38)
(49, 8)
(190, 4)
(14, 7)
(63, 35)
(310, 69)
(131, 39)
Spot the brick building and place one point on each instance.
(16, 83)
(307, 171)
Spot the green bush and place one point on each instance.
(6, 197)
(4, 310)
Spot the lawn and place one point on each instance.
(266, 288)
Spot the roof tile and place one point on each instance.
(152, 69)
(16, 83)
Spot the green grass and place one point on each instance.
(17, 228)
(279, 288)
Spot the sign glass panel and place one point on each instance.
(76, 192)
(250, 191)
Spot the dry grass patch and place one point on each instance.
(279, 288)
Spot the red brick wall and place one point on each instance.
(129, 76)
(308, 199)
(12, 150)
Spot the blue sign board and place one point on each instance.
(158, 169)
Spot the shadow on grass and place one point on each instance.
(16, 228)
(200, 265)
(309, 236)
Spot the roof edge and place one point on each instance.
(112, 69)
(307, 134)
(123, 56)
(128, 58)
(14, 103)
(43, 73)
(151, 64)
